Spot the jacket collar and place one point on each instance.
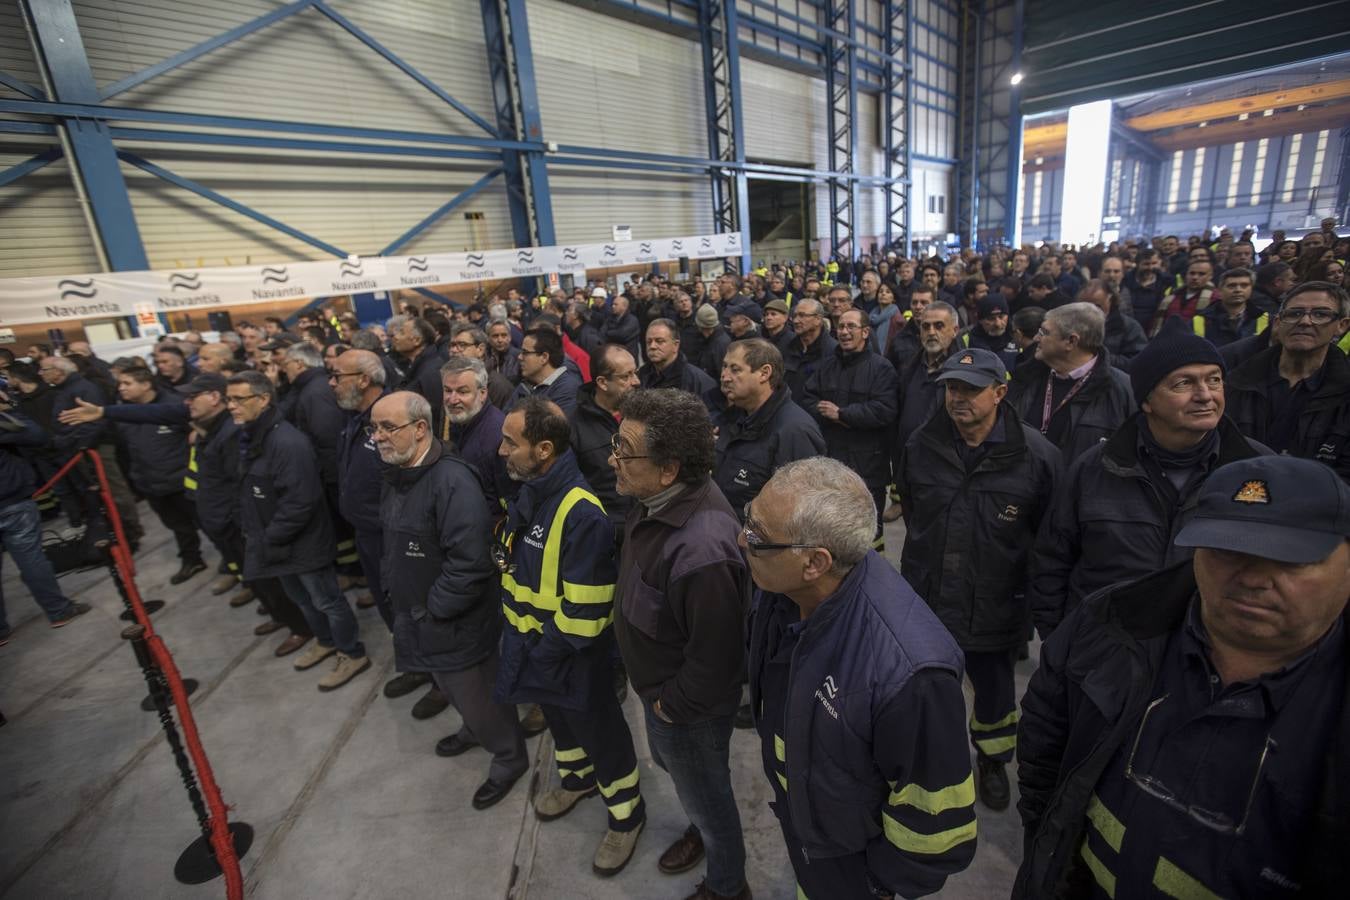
(537, 492)
(1121, 453)
(309, 375)
(401, 477)
(678, 511)
(940, 434)
(1335, 373)
(258, 430)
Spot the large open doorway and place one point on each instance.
(780, 221)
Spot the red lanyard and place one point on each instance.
(1046, 413)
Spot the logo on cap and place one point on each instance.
(967, 360)
(1252, 492)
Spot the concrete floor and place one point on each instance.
(343, 790)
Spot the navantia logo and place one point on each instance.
(830, 687)
(537, 532)
(82, 289)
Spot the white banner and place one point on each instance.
(43, 299)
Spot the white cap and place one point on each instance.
(599, 292)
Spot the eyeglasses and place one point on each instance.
(806, 315)
(756, 545)
(848, 326)
(534, 353)
(463, 345)
(1316, 316)
(237, 400)
(380, 428)
(338, 376)
(1215, 821)
(615, 446)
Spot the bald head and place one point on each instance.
(357, 379)
(79, 348)
(211, 357)
(402, 426)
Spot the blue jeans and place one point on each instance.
(697, 758)
(320, 601)
(21, 538)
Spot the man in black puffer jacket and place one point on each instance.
(438, 575)
(613, 374)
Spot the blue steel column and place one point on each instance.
(1012, 209)
(896, 98)
(841, 85)
(718, 27)
(92, 156)
(504, 105)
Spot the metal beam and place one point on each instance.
(841, 89)
(87, 144)
(1013, 209)
(23, 87)
(160, 136)
(726, 130)
(1288, 122)
(530, 121)
(1252, 103)
(30, 165)
(458, 200)
(504, 106)
(896, 102)
(967, 133)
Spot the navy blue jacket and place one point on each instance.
(423, 376)
(563, 390)
(17, 481)
(751, 447)
(217, 493)
(69, 438)
(361, 474)
(799, 364)
(282, 512)
(157, 449)
(623, 330)
(315, 412)
(862, 385)
(437, 568)
(478, 440)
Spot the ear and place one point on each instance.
(544, 449)
(818, 563)
(670, 472)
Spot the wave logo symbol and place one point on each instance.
(75, 287)
(677, 245)
(417, 264)
(611, 250)
(275, 274)
(644, 248)
(525, 256)
(475, 260)
(705, 244)
(351, 269)
(570, 254)
(189, 282)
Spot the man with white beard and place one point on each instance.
(473, 426)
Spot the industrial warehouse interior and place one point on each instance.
(816, 362)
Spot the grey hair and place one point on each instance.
(456, 364)
(832, 508)
(497, 311)
(231, 338)
(396, 322)
(945, 308)
(305, 353)
(418, 408)
(1082, 319)
(365, 339)
(369, 364)
(65, 365)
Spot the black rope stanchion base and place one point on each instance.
(151, 607)
(189, 685)
(197, 864)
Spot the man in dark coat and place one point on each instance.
(473, 427)
(595, 422)
(811, 344)
(974, 483)
(714, 341)
(466, 340)
(1189, 733)
(761, 428)
(918, 393)
(542, 373)
(1234, 317)
(1122, 336)
(667, 366)
(1070, 391)
(776, 329)
(287, 531)
(414, 340)
(991, 329)
(1295, 396)
(622, 327)
(851, 395)
(439, 577)
(502, 354)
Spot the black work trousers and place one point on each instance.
(178, 512)
(268, 590)
(486, 721)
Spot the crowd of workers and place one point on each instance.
(1140, 451)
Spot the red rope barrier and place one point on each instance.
(221, 841)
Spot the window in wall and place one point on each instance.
(1113, 201)
(1259, 172)
(1134, 188)
(1036, 197)
(1197, 172)
(1174, 182)
(1319, 156)
(1230, 198)
(1291, 170)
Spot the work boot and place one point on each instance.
(313, 656)
(703, 892)
(533, 722)
(347, 668)
(223, 585)
(558, 802)
(684, 854)
(615, 850)
(243, 598)
(76, 610)
(189, 568)
(405, 683)
(991, 783)
(433, 703)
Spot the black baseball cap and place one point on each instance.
(1276, 507)
(976, 366)
(206, 381)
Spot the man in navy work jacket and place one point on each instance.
(556, 553)
(439, 577)
(287, 531)
(1188, 734)
(856, 689)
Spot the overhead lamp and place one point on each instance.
(1016, 79)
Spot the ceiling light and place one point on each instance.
(1016, 78)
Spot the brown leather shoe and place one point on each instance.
(291, 644)
(703, 893)
(243, 598)
(684, 854)
(268, 627)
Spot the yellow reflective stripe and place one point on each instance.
(347, 544)
(587, 628)
(576, 754)
(189, 483)
(1198, 325)
(588, 593)
(627, 781)
(623, 810)
(994, 746)
(1108, 826)
(233, 567)
(779, 749)
(1105, 880)
(782, 779)
(1009, 719)
(521, 623)
(801, 894)
(934, 802)
(577, 773)
(1344, 343)
(932, 844)
(1263, 322)
(1173, 882)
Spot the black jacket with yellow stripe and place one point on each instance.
(558, 590)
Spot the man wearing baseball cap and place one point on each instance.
(990, 330)
(1187, 734)
(1123, 501)
(974, 483)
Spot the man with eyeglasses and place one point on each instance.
(439, 578)
(542, 373)
(856, 692)
(918, 393)
(1188, 734)
(811, 344)
(466, 340)
(1295, 396)
(556, 553)
(679, 617)
(852, 398)
(288, 534)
